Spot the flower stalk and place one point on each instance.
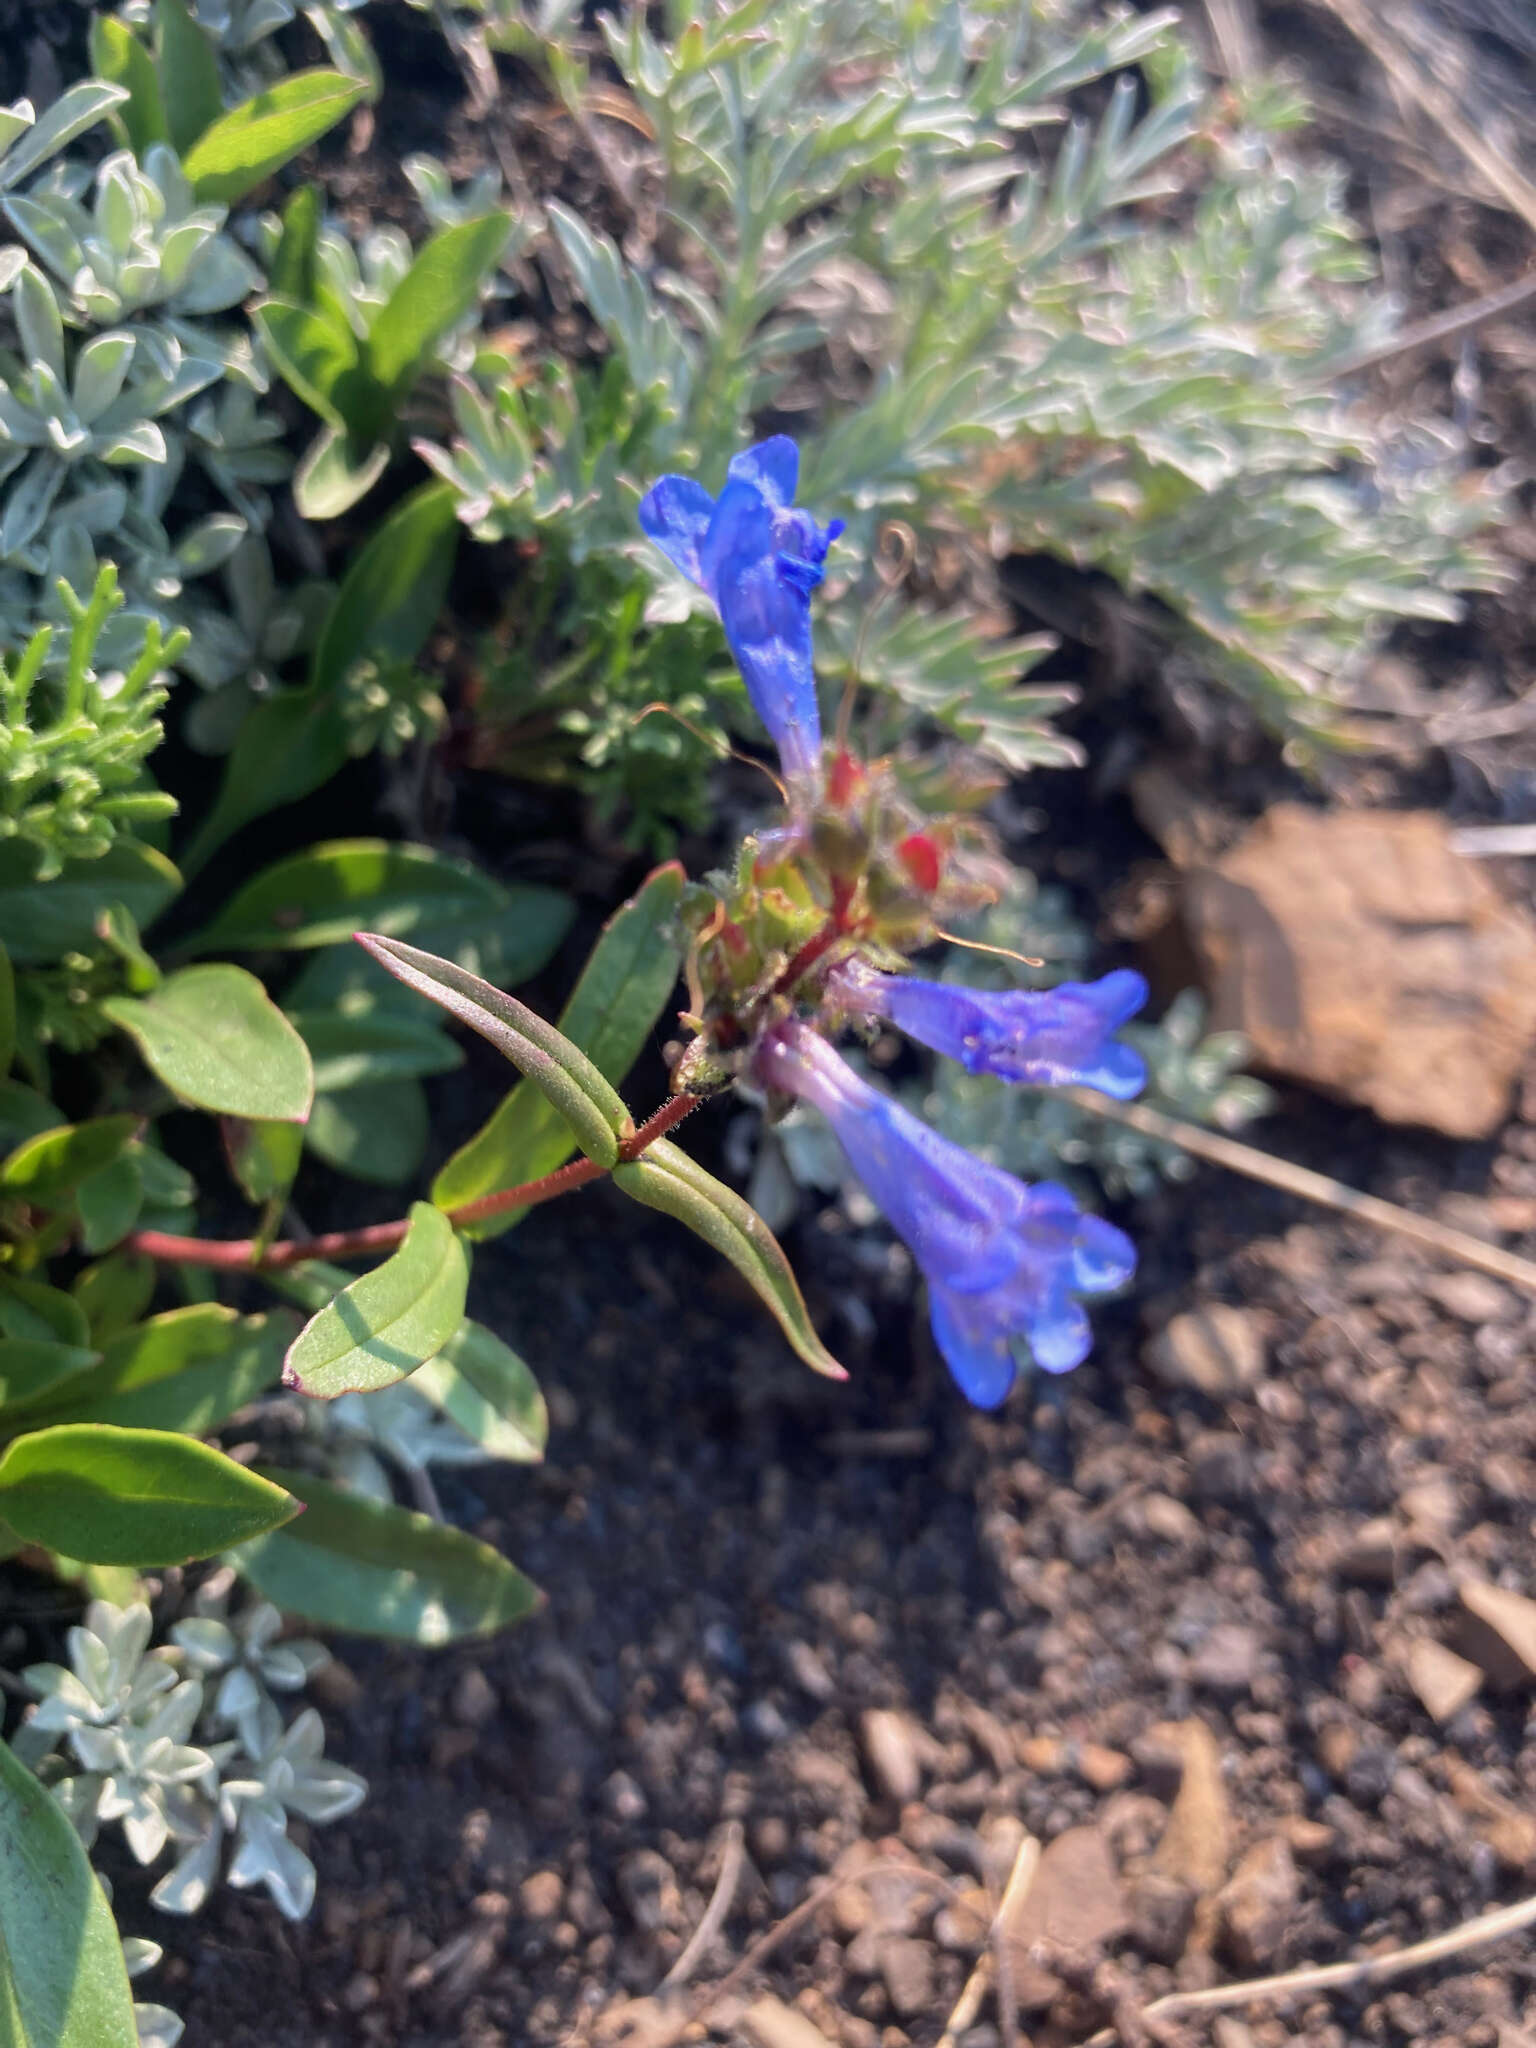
(249, 1254)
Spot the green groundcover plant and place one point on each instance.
(1020, 281)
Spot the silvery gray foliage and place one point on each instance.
(894, 220)
(79, 410)
(240, 648)
(445, 205)
(113, 1736)
(27, 143)
(157, 2026)
(397, 1423)
(144, 244)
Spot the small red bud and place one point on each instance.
(919, 855)
(845, 778)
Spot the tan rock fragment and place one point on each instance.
(772, 2024)
(1218, 1350)
(1443, 1682)
(1196, 1844)
(1498, 1633)
(1358, 952)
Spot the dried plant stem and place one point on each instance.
(1502, 177)
(1370, 1970)
(249, 1254)
(994, 1957)
(1449, 326)
(1312, 1187)
(732, 1859)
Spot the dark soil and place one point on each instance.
(742, 1562)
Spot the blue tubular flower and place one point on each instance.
(1048, 1037)
(759, 559)
(1002, 1259)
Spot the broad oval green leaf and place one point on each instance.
(483, 1386)
(109, 1202)
(189, 1370)
(106, 1495)
(377, 1570)
(40, 922)
(31, 1368)
(322, 896)
(217, 1040)
(440, 287)
(47, 1169)
(665, 1178)
(388, 1322)
(62, 1979)
(596, 1115)
(377, 1133)
(611, 1013)
(390, 597)
(241, 148)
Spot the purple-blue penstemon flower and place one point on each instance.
(758, 558)
(1003, 1260)
(1050, 1038)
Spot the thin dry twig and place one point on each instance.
(1448, 326)
(1504, 178)
(1313, 1187)
(703, 2002)
(732, 1859)
(1015, 1892)
(993, 1957)
(1370, 1970)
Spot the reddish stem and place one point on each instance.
(244, 1254)
(835, 928)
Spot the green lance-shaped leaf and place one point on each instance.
(217, 1040)
(316, 356)
(42, 921)
(30, 1309)
(351, 1563)
(47, 1169)
(483, 1386)
(241, 148)
(663, 1177)
(105, 1495)
(389, 1322)
(559, 1069)
(34, 1368)
(189, 74)
(611, 1014)
(338, 469)
(390, 597)
(437, 291)
(117, 53)
(115, 1292)
(189, 1370)
(263, 1156)
(476, 1379)
(328, 892)
(290, 743)
(62, 1979)
(377, 1132)
(7, 1011)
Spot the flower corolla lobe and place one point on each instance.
(1003, 1260)
(1047, 1038)
(758, 558)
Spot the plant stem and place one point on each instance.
(248, 1254)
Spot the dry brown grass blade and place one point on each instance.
(1503, 178)
(1371, 1970)
(1313, 1187)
